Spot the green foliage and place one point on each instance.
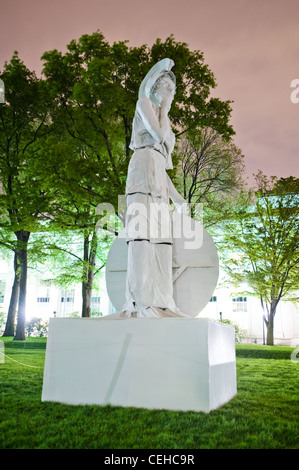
(94, 87)
(210, 172)
(240, 334)
(96, 314)
(23, 122)
(2, 320)
(74, 315)
(265, 234)
(61, 262)
(263, 415)
(263, 237)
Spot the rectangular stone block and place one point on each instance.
(165, 363)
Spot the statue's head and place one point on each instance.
(164, 87)
(159, 80)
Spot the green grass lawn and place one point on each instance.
(263, 415)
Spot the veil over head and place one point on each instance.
(157, 71)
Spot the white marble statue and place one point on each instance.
(149, 289)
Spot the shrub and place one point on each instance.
(240, 335)
(36, 327)
(2, 321)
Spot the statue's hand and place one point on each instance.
(166, 104)
(181, 207)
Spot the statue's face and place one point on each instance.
(165, 90)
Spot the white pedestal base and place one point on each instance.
(165, 363)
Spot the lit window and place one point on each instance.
(240, 304)
(95, 304)
(67, 299)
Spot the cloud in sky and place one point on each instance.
(252, 46)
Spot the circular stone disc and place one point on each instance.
(195, 267)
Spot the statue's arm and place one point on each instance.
(159, 129)
(176, 198)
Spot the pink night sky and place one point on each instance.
(252, 47)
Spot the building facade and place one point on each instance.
(247, 313)
(45, 302)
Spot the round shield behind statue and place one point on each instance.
(195, 267)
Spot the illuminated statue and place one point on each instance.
(149, 290)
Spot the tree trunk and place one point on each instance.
(10, 322)
(23, 237)
(270, 323)
(85, 310)
(86, 299)
(270, 331)
(88, 272)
